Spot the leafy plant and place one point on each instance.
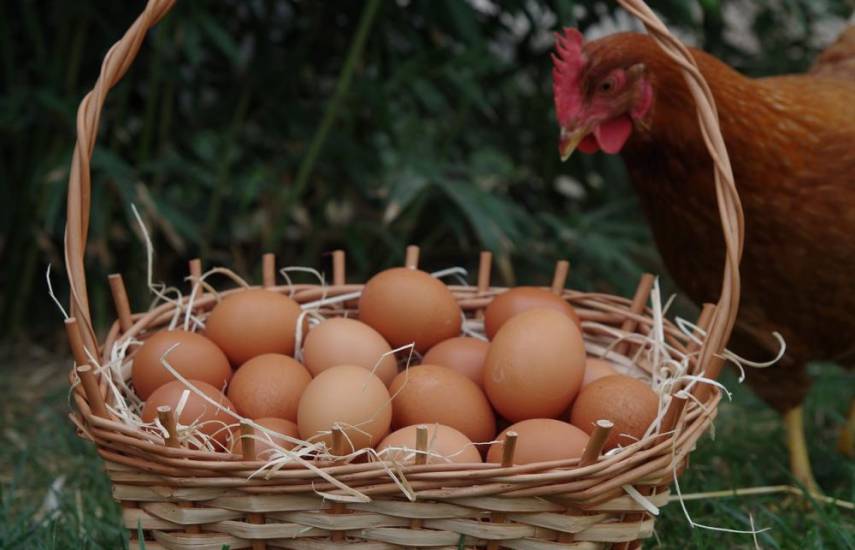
(301, 127)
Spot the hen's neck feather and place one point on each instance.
(790, 141)
(784, 123)
(792, 147)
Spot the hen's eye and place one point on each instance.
(606, 85)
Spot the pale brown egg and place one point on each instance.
(350, 397)
(444, 445)
(541, 440)
(409, 306)
(629, 403)
(523, 298)
(194, 357)
(266, 443)
(210, 419)
(269, 385)
(429, 394)
(340, 341)
(534, 366)
(464, 354)
(595, 369)
(252, 322)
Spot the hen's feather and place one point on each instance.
(838, 60)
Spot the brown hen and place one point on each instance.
(792, 146)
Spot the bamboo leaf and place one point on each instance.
(220, 38)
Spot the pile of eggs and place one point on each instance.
(530, 376)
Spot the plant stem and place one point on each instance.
(366, 20)
(766, 490)
(154, 87)
(223, 170)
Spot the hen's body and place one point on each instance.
(791, 141)
(792, 146)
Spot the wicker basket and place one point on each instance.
(182, 498)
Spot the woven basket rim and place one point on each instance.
(149, 451)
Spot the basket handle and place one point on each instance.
(729, 205)
(116, 63)
(122, 54)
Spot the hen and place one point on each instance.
(792, 145)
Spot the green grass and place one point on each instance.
(54, 494)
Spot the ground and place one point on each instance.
(54, 495)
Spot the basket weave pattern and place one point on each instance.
(184, 498)
(538, 500)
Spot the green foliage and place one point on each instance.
(444, 136)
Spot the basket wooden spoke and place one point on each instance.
(188, 498)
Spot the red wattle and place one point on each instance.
(612, 134)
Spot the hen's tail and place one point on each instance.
(838, 60)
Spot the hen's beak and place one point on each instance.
(570, 140)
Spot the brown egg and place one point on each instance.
(629, 403)
(194, 357)
(407, 305)
(429, 394)
(210, 419)
(541, 440)
(253, 322)
(519, 299)
(269, 385)
(348, 396)
(534, 366)
(341, 341)
(595, 369)
(266, 443)
(445, 444)
(464, 354)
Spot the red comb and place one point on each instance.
(567, 64)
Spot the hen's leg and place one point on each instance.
(784, 387)
(799, 458)
(846, 441)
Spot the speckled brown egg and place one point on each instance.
(269, 385)
(595, 369)
(541, 440)
(193, 356)
(409, 306)
(534, 366)
(253, 322)
(444, 445)
(340, 341)
(429, 394)
(464, 354)
(629, 403)
(210, 419)
(350, 397)
(520, 299)
(265, 443)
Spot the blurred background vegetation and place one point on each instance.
(300, 127)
